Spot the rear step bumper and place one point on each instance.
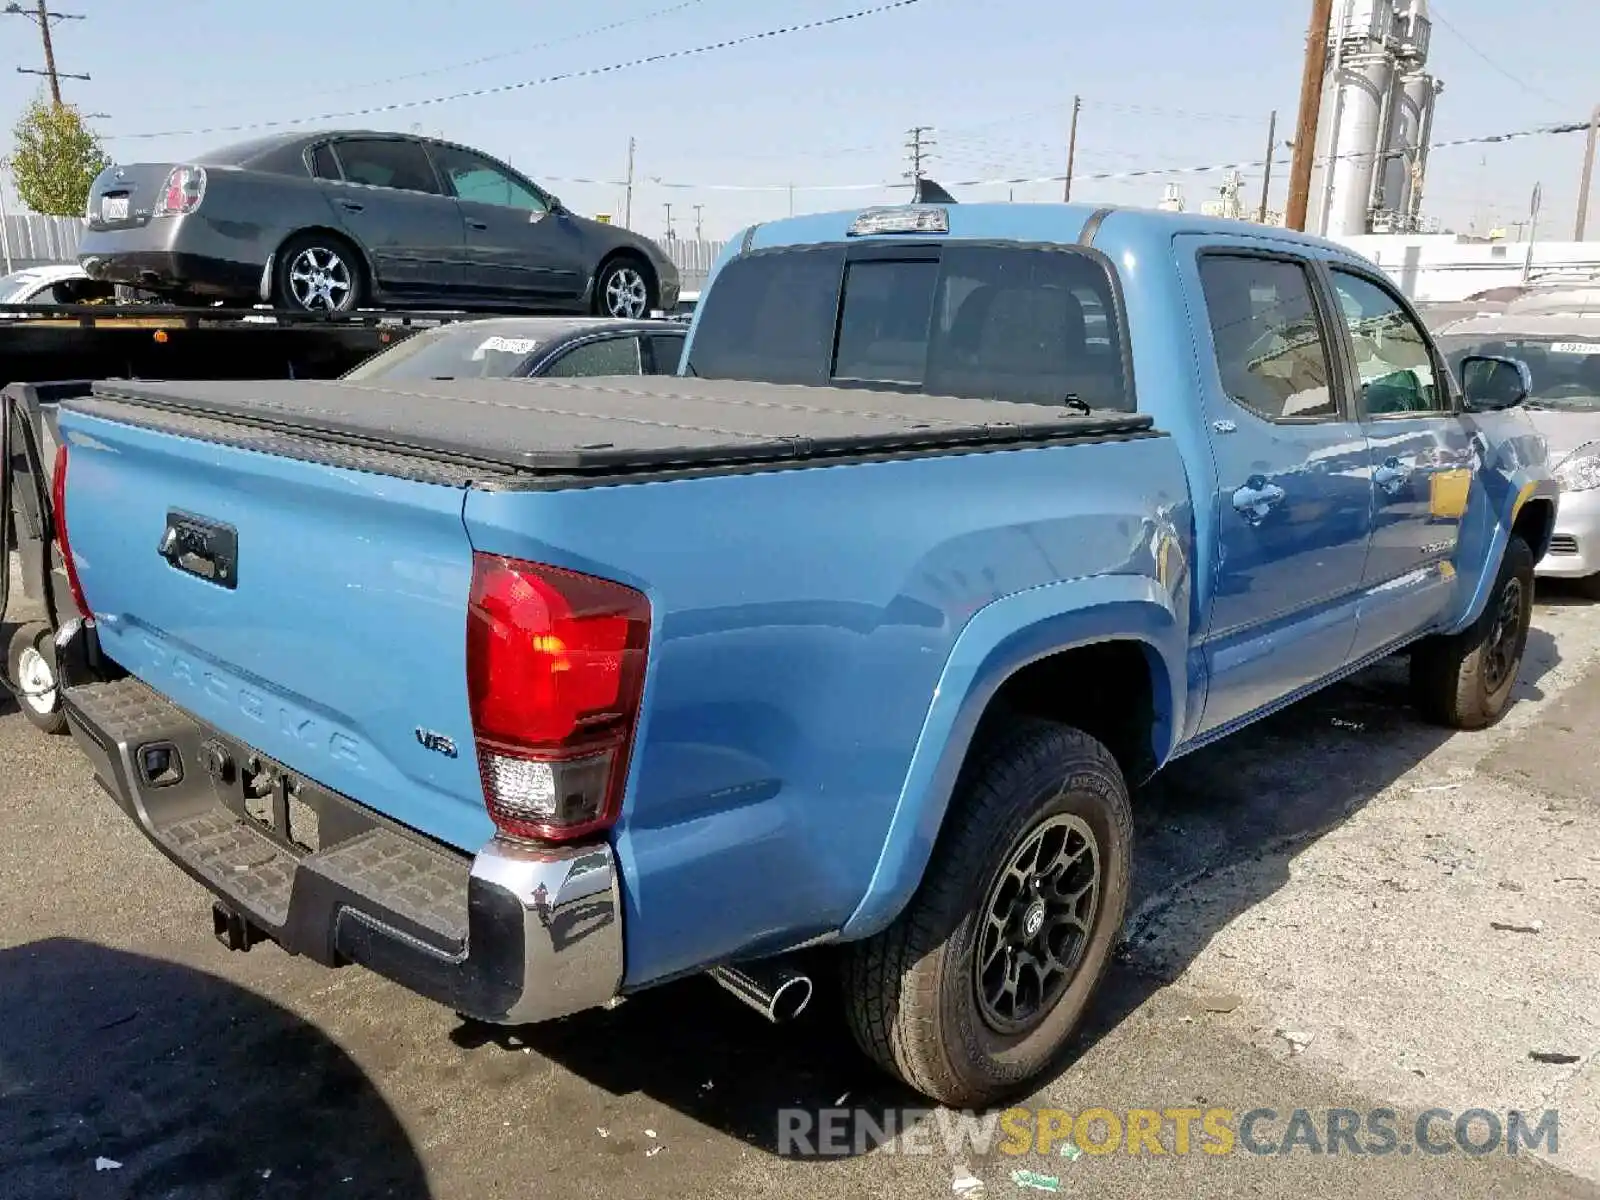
(515, 935)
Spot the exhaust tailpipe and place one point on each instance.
(773, 990)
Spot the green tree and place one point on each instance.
(56, 158)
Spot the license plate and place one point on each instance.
(113, 208)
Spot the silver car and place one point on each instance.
(1562, 352)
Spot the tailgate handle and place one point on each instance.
(208, 550)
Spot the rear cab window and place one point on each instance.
(981, 320)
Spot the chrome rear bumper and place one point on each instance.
(514, 935)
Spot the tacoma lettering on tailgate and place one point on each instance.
(259, 706)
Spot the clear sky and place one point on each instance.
(1165, 83)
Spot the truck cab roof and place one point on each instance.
(1047, 223)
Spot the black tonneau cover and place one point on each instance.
(612, 425)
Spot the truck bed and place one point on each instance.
(525, 430)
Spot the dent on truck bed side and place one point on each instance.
(999, 641)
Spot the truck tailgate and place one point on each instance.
(335, 639)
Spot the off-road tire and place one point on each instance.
(35, 637)
(910, 994)
(1449, 683)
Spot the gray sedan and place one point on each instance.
(339, 220)
(518, 347)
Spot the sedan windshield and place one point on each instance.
(470, 350)
(1565, 370)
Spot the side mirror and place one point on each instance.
(1490, 383)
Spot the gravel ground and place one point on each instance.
(1338, 873)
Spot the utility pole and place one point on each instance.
(918, 148)
(791, 199)
(1588, 175)
(668, 207)
(1266, 179)
(42, 16)
(1533, 230)
(1072, 150)
(627, 201)
(1305, 135)
(697, 209)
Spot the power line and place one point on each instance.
(1139, 173)
(561, 77)
(1467, 42)
(521, 52)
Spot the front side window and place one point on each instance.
(387, 164)
(478, 180)
(1271, 352)
(1024, 325)
(1393, 360)
(610, 356)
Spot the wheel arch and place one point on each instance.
(1529, 510)
(652, 277)
(1536, 524)
(269, 274)
(1016, 655)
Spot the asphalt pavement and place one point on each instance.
(1339, 911)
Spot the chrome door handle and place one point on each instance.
(1256, 499)
(1392, 475)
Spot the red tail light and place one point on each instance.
(183, 191)
(58, 505)
(555, 671)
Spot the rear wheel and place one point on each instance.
(975, 989)
(318, 273)
(1465, 681)
(31, 665)
(623, 290)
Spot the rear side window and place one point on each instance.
(987, 322)
(387, 164)
(1272, 351)
(323, 164)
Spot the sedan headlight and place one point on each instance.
(1580, 470)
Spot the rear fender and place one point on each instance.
(999, 641)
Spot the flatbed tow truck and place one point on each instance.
(51, 352)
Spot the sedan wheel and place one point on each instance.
(625, 292)
(321, 281)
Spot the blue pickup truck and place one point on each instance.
(850, 638)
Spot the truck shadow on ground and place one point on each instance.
(1242, 806)
(197, 1087)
